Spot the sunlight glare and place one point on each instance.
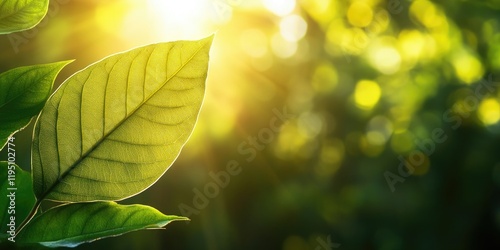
(254, 42)
(283, 48)
(293, 28)
(186, 18)
(280, 7)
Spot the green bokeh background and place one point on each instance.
(365, 85)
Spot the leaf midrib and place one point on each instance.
(98, 143)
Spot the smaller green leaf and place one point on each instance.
(18, 15)
(16, 196)
(23, 92)
(73, 224)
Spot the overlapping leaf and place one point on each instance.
(73, 224)
(114, 128)
(18, 15)
(23, 92)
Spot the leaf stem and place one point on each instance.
(29, 217)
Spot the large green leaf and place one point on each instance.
(111, 130)
(73, 224)
(17, 15)
(16, 196)
(23, 92)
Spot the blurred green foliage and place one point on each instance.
(368, 82)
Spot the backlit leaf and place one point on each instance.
(73, 224)
(18, 15)
(23, 92)
(112, 130)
